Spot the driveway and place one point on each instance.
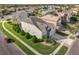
(67, 41)
(8, 49)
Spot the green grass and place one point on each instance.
(61, 33)
(26, 50)
(38, 46)
(62, 51)
(1, 26)
(72, 37)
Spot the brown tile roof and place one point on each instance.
(52, 18)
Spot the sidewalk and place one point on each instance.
(29, 47)
(57, 49)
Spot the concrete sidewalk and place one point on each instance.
(57, 49)
(25, 44)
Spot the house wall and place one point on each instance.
(44, 31)
(33, 30)
(42, 27)
(68, 17)
(52, 32)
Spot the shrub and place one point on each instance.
(16, 28)
(22, 32)
(51, 41)
(36, 40)
(28, 36)
(73, 20)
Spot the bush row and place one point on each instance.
(27, 35)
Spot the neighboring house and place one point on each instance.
(69, 13)
(48, 10)
(54, 19)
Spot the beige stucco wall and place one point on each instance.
(33, 30)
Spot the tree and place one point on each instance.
(4, 12)
(73, 19)
(34, 38)
(60, 10)
(45, 7)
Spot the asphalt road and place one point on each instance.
(8, 49)
(75, 48)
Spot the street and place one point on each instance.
(75, 48)
(8, 49)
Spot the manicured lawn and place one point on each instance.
(61, 33)
(62, 51)
(26, 50)
(72, 37)
(38, 46)
(1, 26)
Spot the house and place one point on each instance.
(54, 19)
(37, 27)
(69, 13)
(49, 9)
(40, 26)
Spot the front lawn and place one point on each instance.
(72, 37)
(62, 51)
(37, 46)
(25, 49)
(61, 33)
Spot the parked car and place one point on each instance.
(7, 40)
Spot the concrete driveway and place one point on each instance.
(66, 41)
